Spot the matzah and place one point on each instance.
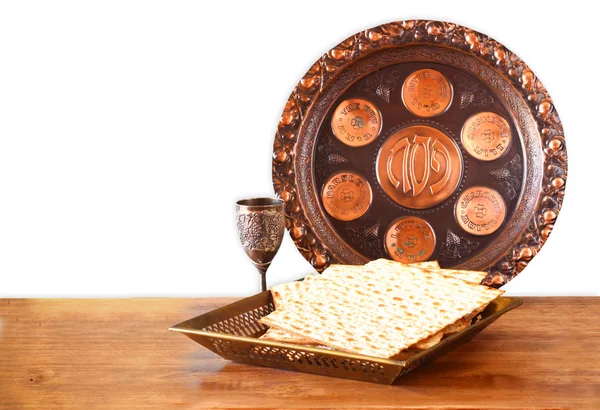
(281, 295)
(467, 275)
(455, 327)
(284, 336)
(429, 342)
(456, 276)
(287, 291)
(380, 313)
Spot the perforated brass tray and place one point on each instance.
(421, 140)
(232, 332)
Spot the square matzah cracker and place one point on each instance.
(284, 336)
(379, 314)
(386, 267)
(281, 295)
(467, 275)
(288, 291)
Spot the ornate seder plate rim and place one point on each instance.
(546, 162)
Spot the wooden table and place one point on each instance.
(117, 354)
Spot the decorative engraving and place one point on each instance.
(480, 211)
(456, 248)
(471, 94)
(260, 230)
(419, 166)
(346, 196)
(356, 122)
(410, 239)
(509, 176)
(261, 224)
(486, 136)
(331, 158)
(498, 67)
(381, 84)
(367, 240)
(426, 93)
(336, 159)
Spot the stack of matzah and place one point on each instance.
(379, 309)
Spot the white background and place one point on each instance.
(129, 129)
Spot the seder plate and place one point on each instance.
(421, 140)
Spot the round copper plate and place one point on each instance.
(486, 136)
(356, 122)
(480, 211)
(381, 66)
(427, 93)
(410, 239)
(419, 166)
(346, 196)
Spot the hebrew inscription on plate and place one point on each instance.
(419, 166)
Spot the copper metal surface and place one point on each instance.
(232, 332)
(356, 122)
(486, 136)
(346, 196)
(419, 166)
(480, 211)
(427, 93)
(410, 239)
(485, 77)
(261, 223)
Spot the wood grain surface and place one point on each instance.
(118, 354)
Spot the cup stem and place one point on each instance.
(263, 281)
(262, 270)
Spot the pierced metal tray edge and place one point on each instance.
(191, 327)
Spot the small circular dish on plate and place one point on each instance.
(421, 140)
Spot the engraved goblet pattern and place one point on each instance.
(261, 223)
